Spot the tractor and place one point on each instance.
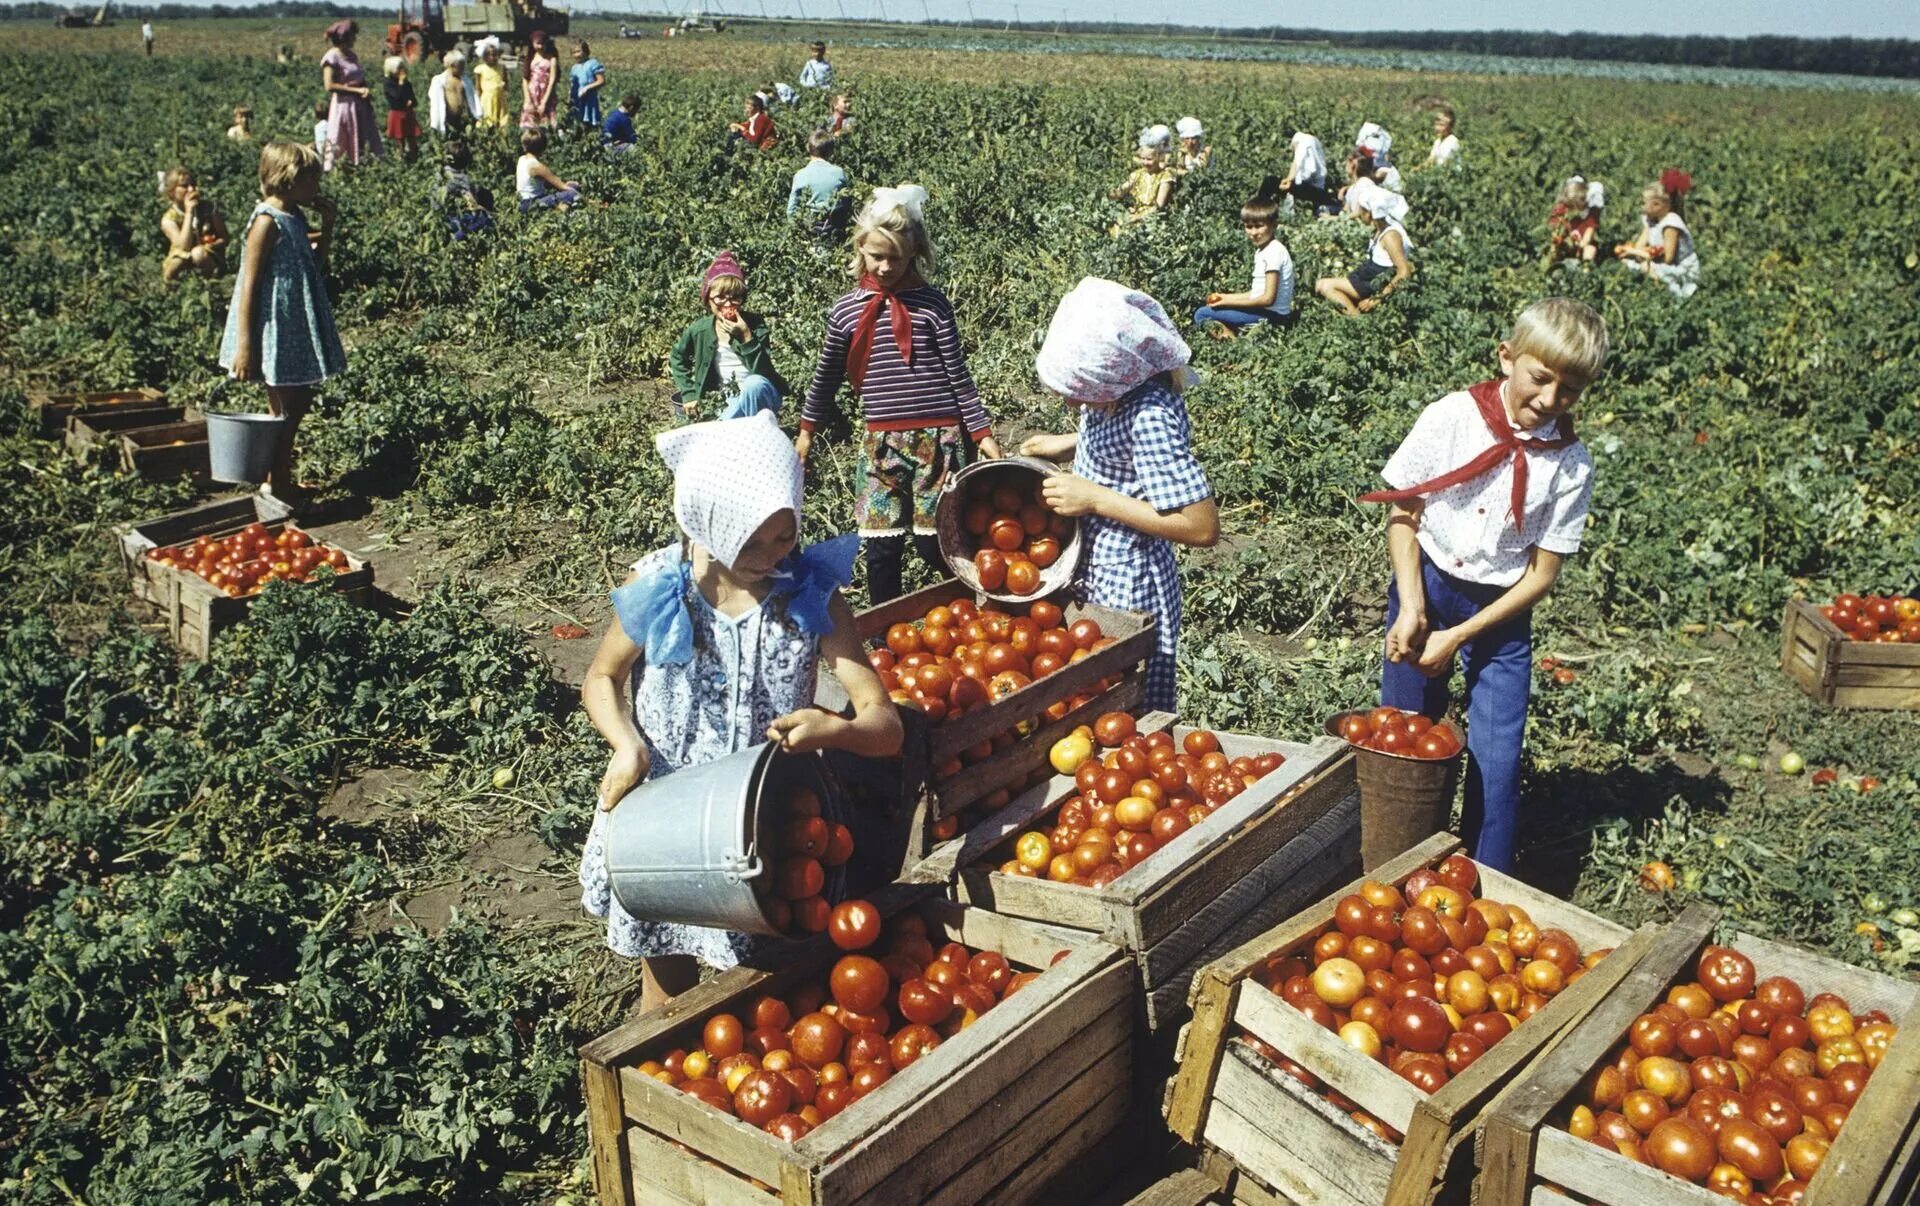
(72, 20)
(434, 26)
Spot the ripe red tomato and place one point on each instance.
(1085, 632)
(903, 639)
(818, 1040)
(1043, 551)
(859, 983)
(976, 517)
(1725, 973)
(854, 925)
(921, 1002)
(1419, 1024)
(1023, 577)
(1006, 534)
(991, 566)
(913, 1041)
(762, 1097)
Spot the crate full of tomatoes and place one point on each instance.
(986, 688)
(1173, 843)
(203, 567)
(1855, 652)
(1348, 1054)
(917, 1052)
(1748, 1070)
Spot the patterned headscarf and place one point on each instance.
(1105, 340)
(730, 477)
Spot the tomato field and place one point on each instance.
(300, 918)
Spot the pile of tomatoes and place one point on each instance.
(791, 894)
(241, 565)
(1407, 734)
(1424, 987)
(1014, 536)
(962, 657)
(1144, 791)
(1886, 619)
(1733, 1084)
(787, 1064)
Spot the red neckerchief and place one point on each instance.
(860, 346)
(1506, 443)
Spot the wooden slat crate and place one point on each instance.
(1844, 673)
(1012, 1109)
(1871, 1160)
(195, 613)
(928, 746)
(168, 450)
(54, 409)
(1224, 880)
(1282, 1139)
(89, 433)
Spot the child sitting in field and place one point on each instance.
(1270, 297)
(841, 119)
(726, 351)
(1113, 354)
(468, 207)
(821, 186)
(618, 133)
(280, 326)
(1389, 250)
(242, 128)
(534, 182)
(196, 233)
(894, 340)
(1574, 221)
(1664, 249)
(403, 124)
(1489, 496)
(1195, 153)
(323, 134)
(756, 130)
(1446, 144)
(716, 648)
(1149, 187)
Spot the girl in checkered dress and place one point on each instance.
(1113, 352)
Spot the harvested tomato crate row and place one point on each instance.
(1259, 857)
(1271, 1138)
(166, 451)
(195, 612)
(1844, 673)
(930, 746)
(1027, 1104)
(55, 409)
(1524, 1146)
(94, 433)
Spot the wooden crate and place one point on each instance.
(928, 746)
(194, 611)
(1282, 1139)
(1250, 864)
(168, 450)
(88, 433)
(54, 409)
(1844, 673)
(1870, 1161)
(1016, 1108)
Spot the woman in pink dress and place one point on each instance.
(350, 118)
(538, 79)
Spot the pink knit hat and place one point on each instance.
(723, 265)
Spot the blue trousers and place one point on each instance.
(1232, 317)
(1498, 667)
(756, 394)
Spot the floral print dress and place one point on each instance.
(746, 672)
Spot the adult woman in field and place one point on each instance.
(350, 128)
(1664, 249)
(452, 103)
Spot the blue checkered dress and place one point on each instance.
(1141, 446)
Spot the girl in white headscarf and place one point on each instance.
(1113, 352)
(1390, 250)
(713, 651)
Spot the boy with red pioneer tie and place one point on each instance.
(1489, 495)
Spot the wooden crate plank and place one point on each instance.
(878, 1133)
(1866, 1153)
(1037, 899)
(1377, 1091)
(54, 409)
(1585, 1168)
(662, 1171)
(1863, 989)
(719, 1137)
(1551, 912)
(604, 1124)
(1012, 765)
(942, 865)
(1054, 1164)
(1287, 1143)
(1188, 1187)
(983, 1146)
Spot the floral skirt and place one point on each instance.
(901, 476)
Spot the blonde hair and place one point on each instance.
(727, 288)
(900, 228)
(394, 65)
(175, 177)
(1564, 334)
(282, 164)
(242, 111)
(1573, 192)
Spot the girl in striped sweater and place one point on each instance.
(894, 341)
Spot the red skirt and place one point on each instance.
(402, 124)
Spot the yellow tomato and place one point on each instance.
(1034, 850)
(1069, 752)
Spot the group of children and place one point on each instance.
(1663, 248)
(1159, 165)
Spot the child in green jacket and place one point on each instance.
(726, 352)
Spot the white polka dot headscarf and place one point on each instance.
(729, 477)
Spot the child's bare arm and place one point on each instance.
(322, 240)
(179, 236)
(874, 731)
(216, 224)
(1196, 524)
(261, 235)
(604, 694)
(1409, 632)
(1543, 570)
(1051, 447)
(1255, 301)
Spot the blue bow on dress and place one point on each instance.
(653, 611)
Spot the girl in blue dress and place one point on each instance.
(280, 326)
(1113, 352)
(715, 650)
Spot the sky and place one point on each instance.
(1723, 18)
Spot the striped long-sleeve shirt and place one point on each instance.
(935, 391)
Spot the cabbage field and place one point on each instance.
(295, 922)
